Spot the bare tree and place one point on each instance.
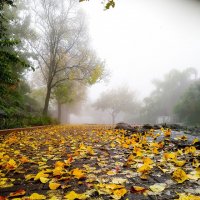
(62, 46)
(116, 101)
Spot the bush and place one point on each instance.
(25, 121)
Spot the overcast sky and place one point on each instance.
(141, 40)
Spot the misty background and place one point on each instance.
(79, 63)
(142, 41)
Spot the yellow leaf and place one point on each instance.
(183, 196)
(195, 140)
(90, 150)
(44, 180)
(167, 133)
(179, 175)
(24, 159)
(155, 150)
(112, 145)
(191, 150)
(78, 173)
(144, 168)
(73, 195)
(36, 196)
(59, 164)
(180, 163)
(147, 161)
(119, 193)
(158, 187)
(58, 171)
(53, 186)
(111, 172)
(40, 174)
(170, 156)
(11, 164)
(113, 186)
(29, 176)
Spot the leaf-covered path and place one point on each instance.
(96, 162)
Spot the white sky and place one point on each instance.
(141, 40)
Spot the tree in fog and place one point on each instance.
(167, 92)
(118, 100)
(70, 94)
(188, 106)
(62, 46)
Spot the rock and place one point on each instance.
(125, 126)
(147, 126)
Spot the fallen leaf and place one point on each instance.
(54, 186)
(36, 196)
(19, 192)
(158, 187)
(78, 173)
(138, 189)
(119, 193)
(73, 195)
(44, 179)
(179, 175)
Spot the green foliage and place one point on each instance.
(188, 107)
(25, 121)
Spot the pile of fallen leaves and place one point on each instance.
(97, 162)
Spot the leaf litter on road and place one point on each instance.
(96, 162)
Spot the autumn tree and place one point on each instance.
(118, 100)
(62, 46)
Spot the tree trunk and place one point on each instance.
(47, 98)
(59, 112)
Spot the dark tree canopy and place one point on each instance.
(188, 107)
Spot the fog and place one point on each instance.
(141, 41)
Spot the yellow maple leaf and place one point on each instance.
(36, 196)
(78, 173)
(119, 193)
(170, 156)
(73, 195)
(147, 161)
(113, 186)
(155, 150)
(54, 186)
(44, 179)
(180, 163)
(11, 164)
(179, 175)
(90, 150)
(111, 172)
(183, 196)
(195, 140)
(59, 164)
(41, 174)
(167, 133)
(24, 159)
(29, 176)
(58, 171)
(144, 168)
(191, 150)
